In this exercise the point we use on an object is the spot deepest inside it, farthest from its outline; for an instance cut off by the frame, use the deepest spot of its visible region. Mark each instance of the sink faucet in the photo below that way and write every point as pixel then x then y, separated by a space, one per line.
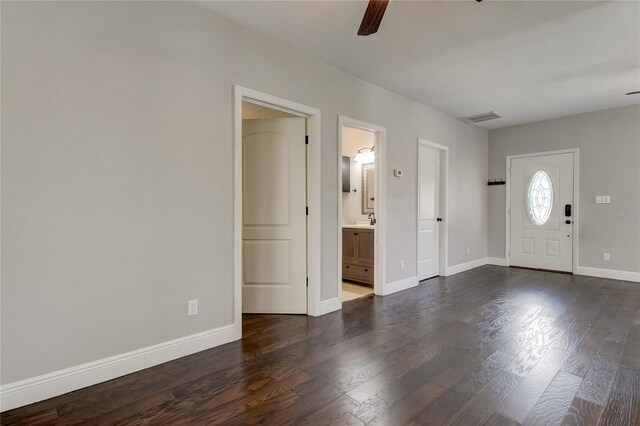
pixel 372 218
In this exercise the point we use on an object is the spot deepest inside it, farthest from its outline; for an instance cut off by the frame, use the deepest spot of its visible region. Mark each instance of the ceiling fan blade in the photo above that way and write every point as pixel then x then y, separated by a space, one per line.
pixel 372 17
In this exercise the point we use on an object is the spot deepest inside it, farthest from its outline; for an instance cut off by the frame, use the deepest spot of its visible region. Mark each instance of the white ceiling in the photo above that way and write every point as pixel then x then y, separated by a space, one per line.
pixel 527 60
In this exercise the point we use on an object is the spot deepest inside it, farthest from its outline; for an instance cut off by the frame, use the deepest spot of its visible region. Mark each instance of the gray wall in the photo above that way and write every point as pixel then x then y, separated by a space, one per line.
pixel 609 143
pixel 117 172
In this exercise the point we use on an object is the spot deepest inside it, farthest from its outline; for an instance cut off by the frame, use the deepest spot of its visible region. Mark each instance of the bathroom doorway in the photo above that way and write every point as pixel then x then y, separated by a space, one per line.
pixel 361 212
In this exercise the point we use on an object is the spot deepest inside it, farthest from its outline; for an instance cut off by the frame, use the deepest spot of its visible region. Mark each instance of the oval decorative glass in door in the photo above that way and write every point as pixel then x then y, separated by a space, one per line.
pixel 539 198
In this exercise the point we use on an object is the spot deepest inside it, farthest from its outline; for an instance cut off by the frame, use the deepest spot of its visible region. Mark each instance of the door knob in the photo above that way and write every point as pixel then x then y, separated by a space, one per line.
pixel 568 222
pixel 439 219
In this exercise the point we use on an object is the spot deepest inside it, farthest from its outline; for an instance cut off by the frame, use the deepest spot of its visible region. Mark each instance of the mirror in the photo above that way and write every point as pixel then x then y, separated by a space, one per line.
pixel 368 188
pixel 346 174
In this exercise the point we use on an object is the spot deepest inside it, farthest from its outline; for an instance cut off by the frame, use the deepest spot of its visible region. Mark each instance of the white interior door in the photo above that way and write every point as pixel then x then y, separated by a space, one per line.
pixel 274 234
pixel 428 211
pixel 541 224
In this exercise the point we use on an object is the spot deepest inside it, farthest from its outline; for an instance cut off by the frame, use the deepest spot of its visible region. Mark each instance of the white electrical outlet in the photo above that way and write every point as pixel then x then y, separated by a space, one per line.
pixel 468 251
pixel 402 264
pixel 193 307
pixel 606 257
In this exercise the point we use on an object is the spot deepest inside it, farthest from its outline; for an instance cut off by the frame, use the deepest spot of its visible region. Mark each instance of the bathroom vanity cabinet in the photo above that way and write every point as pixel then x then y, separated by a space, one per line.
pixel 358 255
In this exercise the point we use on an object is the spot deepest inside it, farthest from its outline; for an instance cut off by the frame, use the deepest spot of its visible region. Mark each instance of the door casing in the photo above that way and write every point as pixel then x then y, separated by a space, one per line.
pixel 312 115
pixel 576 207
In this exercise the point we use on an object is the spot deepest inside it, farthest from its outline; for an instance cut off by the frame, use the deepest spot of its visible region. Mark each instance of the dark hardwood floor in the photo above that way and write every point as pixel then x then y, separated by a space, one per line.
pixel 491 346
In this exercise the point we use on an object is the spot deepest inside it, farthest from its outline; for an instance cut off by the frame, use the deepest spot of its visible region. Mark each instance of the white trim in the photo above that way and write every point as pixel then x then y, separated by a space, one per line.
pixel 330 305
pixel 380 262
pixel 314 220
pixel 612 274
pixel 444 204
pixel 576 200
pixel 462 267
pixel 396 286
pixel 314 233
pixel 38 388
pixel 498 261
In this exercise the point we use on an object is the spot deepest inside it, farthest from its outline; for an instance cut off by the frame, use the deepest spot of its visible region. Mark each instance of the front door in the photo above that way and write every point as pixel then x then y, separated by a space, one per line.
pixel 428 212
pixel 274 233
pixel 542 212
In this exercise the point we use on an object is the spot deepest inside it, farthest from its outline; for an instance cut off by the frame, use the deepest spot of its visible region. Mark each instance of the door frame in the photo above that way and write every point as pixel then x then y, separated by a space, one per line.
pixel 576 186
pixel 443 235
pixel 380 203
pixel 312 115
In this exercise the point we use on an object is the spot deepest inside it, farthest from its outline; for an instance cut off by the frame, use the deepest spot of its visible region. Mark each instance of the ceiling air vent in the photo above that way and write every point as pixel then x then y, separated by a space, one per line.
pixel 485 116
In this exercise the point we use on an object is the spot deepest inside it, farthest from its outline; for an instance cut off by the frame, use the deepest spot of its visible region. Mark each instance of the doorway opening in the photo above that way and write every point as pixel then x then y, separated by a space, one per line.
pixel 361 209
pixel 277 206
pixel 541 211
pixel 432 226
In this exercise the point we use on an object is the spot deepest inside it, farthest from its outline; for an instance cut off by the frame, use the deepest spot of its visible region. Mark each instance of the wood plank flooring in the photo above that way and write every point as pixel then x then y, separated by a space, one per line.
pixel 490 346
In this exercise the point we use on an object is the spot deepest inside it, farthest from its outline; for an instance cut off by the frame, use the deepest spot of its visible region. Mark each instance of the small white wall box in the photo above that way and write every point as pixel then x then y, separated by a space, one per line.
pixel 397 172
pixel 603 199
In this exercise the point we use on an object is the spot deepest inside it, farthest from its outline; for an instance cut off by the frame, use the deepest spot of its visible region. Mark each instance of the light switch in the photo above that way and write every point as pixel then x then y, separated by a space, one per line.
pixel 603 199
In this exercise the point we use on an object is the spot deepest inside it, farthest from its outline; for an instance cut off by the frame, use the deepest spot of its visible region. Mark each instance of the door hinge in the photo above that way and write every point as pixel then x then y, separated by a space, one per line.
pixel 307 281
pixel 306 139
pixel 307 211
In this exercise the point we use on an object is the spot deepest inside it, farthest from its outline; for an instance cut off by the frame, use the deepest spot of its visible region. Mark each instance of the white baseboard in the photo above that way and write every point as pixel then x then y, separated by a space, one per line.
pixel 456 269
pixel 330 305
pixel 395 286
pixel 17 394
pixel 612 274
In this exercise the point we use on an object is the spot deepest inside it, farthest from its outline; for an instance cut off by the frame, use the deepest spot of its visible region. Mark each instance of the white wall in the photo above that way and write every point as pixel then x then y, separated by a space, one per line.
pixel 609 143
pixel 117 178
pixel 352 141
